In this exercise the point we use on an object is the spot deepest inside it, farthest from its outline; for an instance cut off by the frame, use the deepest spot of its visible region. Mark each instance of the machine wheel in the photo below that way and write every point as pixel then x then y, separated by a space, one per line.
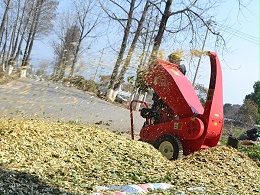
pixel 170 147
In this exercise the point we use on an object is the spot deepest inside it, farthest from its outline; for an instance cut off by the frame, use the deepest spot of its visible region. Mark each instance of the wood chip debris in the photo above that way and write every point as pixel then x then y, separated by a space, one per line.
pixel 54 158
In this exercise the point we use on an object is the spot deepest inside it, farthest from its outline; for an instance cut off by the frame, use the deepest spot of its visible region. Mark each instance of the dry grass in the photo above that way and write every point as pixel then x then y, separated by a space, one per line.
pixel 6 78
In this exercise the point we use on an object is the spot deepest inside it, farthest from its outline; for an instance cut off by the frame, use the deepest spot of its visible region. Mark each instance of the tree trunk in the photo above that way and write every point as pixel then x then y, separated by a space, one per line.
pixel 63 65
pixel 133 45
pixel 123 46
pixel 159 36
pixel 13 41
pixel 4 20
pixel 146 48
pixel 34 28
pixel 19 47
pixel 74 61
pixel 16 30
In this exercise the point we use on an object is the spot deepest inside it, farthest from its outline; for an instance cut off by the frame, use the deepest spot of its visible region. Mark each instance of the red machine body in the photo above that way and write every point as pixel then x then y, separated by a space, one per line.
pixel 185 125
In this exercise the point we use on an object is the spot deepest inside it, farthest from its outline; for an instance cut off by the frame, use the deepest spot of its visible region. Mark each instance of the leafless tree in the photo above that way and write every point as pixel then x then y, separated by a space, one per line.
pixel 4 33
pixel 126 27
pixel 75 26
pixel 134 42
pixel 146 41
pixel 43 12
pixel 62 26
pixel 22 25
pixel 23 22
pixel 41 71
pixel 163 23
pixel 87 21
pixel 185 16
pixel 4 19
pixel 68 50
pixel 32 31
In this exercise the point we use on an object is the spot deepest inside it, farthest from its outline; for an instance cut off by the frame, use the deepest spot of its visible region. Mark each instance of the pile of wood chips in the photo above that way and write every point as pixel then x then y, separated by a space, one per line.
pixel 55 158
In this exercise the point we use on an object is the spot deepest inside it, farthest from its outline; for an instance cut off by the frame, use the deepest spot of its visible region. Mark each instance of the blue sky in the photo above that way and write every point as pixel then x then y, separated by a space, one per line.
pixel 240 63
pixel 241 66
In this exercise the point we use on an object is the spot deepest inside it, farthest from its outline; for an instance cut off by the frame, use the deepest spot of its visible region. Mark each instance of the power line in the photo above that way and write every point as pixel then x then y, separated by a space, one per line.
pixel 239 34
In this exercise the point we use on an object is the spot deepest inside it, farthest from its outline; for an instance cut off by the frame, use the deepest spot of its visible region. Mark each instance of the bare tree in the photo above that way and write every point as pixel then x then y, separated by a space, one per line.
pixel 76 27
pixel 86 22
pixel 13 24
pixel 146 41
pixel 187 17
pixel 62 27
pixel 4 34
pixel 159 36
pixel 41 71
pixel 43 11
pixel 134 42
pixel 68 50
pixel 23 22
pixel 147 38
pixel 126 28
pixel 32 32
pixel 4 19
pixel 14 37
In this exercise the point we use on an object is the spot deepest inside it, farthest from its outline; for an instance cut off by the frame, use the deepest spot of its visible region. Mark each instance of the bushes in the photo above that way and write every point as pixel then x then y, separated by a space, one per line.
pixel 81 83
pixel 91 86
pixel 251 151
pixel 4 78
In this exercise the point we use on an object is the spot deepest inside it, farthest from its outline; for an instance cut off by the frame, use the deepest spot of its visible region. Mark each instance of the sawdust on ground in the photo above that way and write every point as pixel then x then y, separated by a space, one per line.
pixel 54 158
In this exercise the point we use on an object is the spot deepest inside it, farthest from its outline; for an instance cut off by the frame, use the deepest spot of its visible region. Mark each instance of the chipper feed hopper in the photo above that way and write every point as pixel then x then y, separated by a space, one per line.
pixel 177 123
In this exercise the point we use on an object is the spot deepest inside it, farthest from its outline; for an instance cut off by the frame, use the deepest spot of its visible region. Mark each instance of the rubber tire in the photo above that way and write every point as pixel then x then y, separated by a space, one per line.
pixel 171 143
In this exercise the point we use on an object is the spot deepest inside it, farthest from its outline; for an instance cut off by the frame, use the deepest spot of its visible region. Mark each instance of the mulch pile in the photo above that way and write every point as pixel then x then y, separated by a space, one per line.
pixel 54 158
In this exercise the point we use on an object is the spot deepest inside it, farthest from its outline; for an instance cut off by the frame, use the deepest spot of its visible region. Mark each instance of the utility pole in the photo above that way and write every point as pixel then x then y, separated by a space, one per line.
pixel 202 49
pixel 99 63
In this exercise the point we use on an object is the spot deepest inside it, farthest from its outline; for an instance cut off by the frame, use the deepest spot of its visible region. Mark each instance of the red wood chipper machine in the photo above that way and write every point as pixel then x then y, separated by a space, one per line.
pixel 177 123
